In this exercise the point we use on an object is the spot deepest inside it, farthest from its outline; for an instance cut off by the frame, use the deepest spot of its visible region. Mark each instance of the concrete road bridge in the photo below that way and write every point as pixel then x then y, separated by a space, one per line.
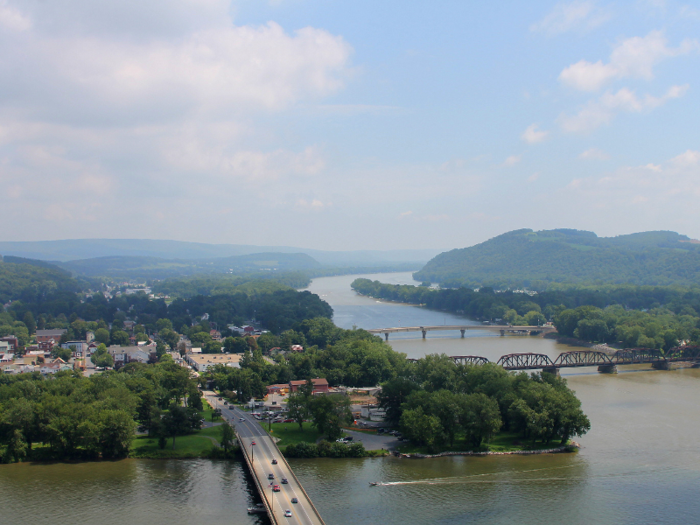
pixel 501 329
pixel 606 362
pixel 259 450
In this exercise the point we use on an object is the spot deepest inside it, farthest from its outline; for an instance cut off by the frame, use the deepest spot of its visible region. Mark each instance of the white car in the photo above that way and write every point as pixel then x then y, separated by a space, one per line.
pixel 287 513
pixel 241 419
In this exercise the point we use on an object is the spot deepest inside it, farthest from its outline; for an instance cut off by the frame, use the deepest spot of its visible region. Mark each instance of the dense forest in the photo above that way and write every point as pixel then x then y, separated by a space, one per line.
pixel 539 260
pixel 437 402
pixel 630 316
pixel 41 296
pixel 69 416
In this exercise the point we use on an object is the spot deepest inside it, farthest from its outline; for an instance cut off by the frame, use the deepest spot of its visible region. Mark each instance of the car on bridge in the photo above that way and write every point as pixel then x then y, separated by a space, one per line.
pixel 284 481
pixel 295 500
pixel 276 488
pixel 288 513
pixel 274 461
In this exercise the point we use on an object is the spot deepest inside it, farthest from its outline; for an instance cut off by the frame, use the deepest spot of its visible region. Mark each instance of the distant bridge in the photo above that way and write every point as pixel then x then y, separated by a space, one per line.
pixel 578 358
pixel 502 329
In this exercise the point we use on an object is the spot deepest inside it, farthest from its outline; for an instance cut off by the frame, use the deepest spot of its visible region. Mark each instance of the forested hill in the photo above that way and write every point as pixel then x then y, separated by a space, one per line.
pixel 541 260
pixel 29 280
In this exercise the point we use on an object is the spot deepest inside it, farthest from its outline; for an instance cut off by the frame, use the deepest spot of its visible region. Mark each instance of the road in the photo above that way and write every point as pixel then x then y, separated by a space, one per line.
pixel 262 454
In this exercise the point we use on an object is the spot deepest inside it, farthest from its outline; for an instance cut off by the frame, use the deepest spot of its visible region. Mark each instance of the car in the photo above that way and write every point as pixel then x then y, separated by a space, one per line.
pixel 270 476
pixel 276 488
pixel 241 419
pixel 287 513
pixel 294 500
pixel 284 481
pixel 225 402
pixel 274 461
pixel 348 439
pixel 253 443
pixel 380 431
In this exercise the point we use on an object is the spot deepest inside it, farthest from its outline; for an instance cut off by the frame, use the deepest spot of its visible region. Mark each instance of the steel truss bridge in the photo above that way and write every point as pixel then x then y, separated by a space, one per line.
pixel 579 358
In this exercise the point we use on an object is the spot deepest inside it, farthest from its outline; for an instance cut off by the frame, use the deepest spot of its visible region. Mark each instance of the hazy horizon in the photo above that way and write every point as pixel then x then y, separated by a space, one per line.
pixel 338 126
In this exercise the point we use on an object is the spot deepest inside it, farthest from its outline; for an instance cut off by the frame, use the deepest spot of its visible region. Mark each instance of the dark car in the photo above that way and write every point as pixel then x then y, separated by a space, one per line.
pixel 270 476
pixel 294 500
pixel 284 481
pixel 274 461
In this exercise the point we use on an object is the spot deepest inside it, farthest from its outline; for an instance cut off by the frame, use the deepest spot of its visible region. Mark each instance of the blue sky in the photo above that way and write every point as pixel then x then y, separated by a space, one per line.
pixel 347 125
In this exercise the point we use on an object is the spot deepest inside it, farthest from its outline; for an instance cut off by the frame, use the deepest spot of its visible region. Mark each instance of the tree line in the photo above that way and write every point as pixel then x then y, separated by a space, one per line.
pixel 436 403
pixel 68 416
pixel 629 316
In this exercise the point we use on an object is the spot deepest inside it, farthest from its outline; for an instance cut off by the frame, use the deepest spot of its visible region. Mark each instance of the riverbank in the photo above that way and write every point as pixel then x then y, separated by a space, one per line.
pixel 572 446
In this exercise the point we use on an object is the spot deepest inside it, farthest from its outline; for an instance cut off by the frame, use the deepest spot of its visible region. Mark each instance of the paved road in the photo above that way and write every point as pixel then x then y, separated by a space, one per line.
pixel 262 454
pixel 374 441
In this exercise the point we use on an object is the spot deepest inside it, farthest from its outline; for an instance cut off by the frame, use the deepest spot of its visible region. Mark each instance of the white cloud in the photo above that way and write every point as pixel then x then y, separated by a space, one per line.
pixel 653 185
pixel 312 204
pixel 594 154
pixel 632 58
pixel 532 135
pixel 511 161
pixel 12 18
pixel 533 177
pixel 602 111
pixel 573 15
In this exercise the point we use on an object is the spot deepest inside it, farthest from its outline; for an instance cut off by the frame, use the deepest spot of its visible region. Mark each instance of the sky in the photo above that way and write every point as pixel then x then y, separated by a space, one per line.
pixel 342 125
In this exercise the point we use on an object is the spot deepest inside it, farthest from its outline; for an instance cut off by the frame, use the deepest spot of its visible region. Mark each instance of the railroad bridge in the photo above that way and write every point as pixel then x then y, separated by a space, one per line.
pixel 605 362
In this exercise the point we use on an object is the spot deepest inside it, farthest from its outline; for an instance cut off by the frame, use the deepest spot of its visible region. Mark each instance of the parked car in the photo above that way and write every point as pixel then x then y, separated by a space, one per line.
pixel 347 439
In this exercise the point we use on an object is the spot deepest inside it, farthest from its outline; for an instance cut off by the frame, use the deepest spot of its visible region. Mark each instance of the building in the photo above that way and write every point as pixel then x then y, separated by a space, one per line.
pixel 215 335
pixel 320 386
pixel 131 354
pixel 297 348
pixel 281 389
pixel 202 362
pixel 11 340
pixel 44 336
pixel 79 347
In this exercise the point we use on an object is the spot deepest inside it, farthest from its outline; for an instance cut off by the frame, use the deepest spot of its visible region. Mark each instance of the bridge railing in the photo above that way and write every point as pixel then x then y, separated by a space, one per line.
pixel 261 490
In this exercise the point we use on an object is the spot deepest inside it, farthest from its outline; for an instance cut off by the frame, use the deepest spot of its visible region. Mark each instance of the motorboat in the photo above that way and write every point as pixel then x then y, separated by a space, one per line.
pixel 373 483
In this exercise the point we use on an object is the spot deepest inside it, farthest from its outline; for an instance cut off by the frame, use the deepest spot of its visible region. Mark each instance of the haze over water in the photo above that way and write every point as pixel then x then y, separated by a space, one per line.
pixel 638 465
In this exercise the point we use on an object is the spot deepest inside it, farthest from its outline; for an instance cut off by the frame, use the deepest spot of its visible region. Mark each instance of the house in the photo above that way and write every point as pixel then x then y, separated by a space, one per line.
pixel 129 325
pixel 248 330
pixel 58 365
pixel 11 340
pixel 44 336
pixel 202 362
pixel 131 354
pixel 79 347
pixel 320 386
pixel 6 357
pixel 215 335
pixel 297 348
pixel 5 347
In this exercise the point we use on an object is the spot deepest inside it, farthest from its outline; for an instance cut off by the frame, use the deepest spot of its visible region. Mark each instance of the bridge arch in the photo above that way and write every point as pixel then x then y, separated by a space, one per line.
pixel 469 359
pixel 527 361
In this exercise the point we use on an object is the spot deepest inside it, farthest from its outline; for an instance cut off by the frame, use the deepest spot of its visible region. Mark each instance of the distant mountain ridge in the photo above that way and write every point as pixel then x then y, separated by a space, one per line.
pixel 75 249
pixel 544 258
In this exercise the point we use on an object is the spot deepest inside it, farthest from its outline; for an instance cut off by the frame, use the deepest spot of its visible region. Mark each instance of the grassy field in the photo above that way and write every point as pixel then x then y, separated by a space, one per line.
pixel 289 433
pixel 194 445
pixel 502 442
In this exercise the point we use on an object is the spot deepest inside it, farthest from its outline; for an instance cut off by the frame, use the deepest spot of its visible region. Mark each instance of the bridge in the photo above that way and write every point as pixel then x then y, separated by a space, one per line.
pixel 259 450
pixel 578 358
pixel 502 329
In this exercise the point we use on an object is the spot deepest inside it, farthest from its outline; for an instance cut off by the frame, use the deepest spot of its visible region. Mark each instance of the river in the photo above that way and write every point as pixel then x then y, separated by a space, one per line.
pixel 639 464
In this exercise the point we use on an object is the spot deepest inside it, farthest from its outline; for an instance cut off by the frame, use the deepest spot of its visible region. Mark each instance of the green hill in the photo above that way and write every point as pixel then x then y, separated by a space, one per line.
pixel 30 280
pixel 540 260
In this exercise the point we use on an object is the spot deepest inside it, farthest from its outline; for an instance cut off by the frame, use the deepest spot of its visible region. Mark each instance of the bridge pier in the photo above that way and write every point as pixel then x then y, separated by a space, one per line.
pixel 607 369
pixel 661 365
pixel 424 332
pixel 462 332
pixel 552 370
pixel 386 336
pixel 503 333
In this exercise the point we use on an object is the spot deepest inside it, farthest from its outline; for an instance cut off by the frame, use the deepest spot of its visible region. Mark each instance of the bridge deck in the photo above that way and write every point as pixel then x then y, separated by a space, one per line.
pixel 491 328
pixel 259 459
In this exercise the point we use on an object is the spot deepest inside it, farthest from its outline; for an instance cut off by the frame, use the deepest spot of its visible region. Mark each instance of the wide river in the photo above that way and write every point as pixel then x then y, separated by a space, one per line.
pixel 639 464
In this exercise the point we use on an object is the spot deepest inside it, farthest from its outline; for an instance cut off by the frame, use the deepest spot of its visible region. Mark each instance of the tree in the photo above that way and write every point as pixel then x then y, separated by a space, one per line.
pixel 298 406
pixel 116 431
pixel 420 427
pixel 28 320
pixel 329 412
pixel 393 395
pixel 176 422
pixel 119 337
pixel 102 336
pixel 227 437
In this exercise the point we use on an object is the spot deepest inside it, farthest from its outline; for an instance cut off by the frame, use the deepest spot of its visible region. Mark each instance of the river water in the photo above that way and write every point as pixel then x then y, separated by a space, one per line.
pixel 639 464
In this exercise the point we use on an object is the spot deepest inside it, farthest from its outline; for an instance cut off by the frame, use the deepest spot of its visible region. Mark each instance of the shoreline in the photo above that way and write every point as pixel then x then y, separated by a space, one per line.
pixel 572 446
